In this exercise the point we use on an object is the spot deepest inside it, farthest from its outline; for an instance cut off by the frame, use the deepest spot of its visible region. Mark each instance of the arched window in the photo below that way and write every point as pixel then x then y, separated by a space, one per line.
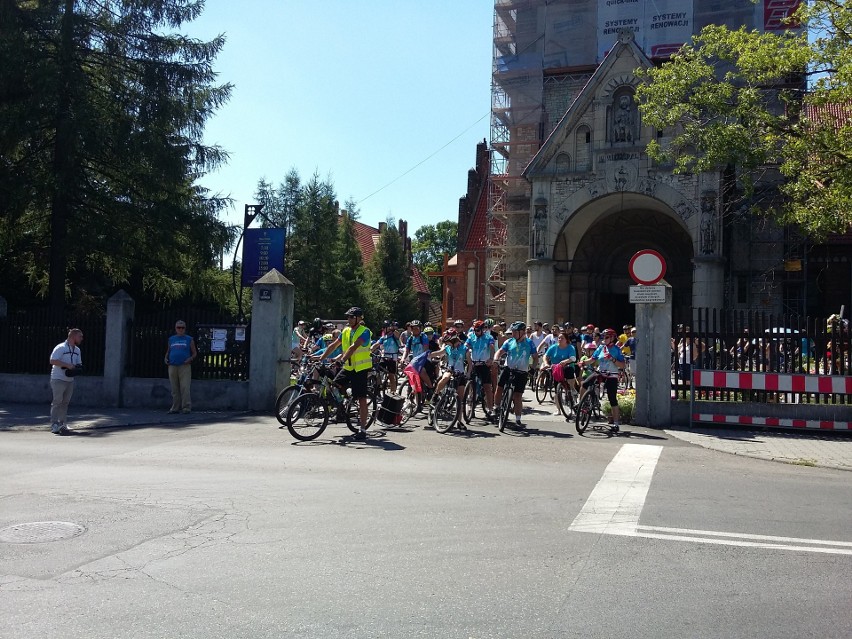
pixel 583 148
pixel 563 163
pixel 471 284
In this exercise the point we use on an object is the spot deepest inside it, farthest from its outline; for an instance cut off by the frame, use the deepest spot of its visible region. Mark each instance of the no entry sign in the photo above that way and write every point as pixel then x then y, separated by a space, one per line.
pixel 647 267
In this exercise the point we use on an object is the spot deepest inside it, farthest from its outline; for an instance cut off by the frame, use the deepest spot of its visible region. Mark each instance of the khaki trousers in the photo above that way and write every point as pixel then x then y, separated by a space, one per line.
pixel 62 392
pixel 180 378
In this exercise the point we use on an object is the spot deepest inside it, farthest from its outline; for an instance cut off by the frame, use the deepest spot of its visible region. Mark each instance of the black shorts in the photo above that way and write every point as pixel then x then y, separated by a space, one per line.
pixel 388 365
pixel 458 380
pixel 483 372
pixel 356 380
pixel 610 383
pixel 429 367
pixel 520 380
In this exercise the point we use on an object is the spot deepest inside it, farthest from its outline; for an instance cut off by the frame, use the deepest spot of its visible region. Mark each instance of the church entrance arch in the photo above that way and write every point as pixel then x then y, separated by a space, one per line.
pixel 592 256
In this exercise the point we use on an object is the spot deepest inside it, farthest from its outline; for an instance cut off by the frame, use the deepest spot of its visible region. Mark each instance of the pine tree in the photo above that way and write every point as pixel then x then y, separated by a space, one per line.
pixel 102 110
pixel 347 271
pixel 388 288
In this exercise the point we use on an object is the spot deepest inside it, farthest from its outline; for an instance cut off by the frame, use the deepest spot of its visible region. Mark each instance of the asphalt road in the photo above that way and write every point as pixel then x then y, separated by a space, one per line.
pixel 235 530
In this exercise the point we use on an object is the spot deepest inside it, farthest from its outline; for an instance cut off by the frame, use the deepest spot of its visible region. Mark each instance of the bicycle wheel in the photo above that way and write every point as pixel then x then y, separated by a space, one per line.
pixel 623 379
pixel 584 413
pixel 505 404
pixel 307 417
pixel 469 401
pixel 565 401
pixel 543 387
pixel 283 401
pixel 351 408
pixel 411 402
pixel 445 414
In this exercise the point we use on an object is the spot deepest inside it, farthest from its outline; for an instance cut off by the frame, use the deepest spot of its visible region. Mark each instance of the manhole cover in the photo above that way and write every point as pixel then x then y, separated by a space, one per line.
pixel 37 532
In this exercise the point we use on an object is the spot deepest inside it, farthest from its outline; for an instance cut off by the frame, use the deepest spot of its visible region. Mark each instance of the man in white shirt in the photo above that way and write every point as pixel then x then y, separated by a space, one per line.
pixel 66 362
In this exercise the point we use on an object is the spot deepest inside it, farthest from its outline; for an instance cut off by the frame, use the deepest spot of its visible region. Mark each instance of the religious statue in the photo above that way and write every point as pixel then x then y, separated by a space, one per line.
pixel 623 120
pixel 539 232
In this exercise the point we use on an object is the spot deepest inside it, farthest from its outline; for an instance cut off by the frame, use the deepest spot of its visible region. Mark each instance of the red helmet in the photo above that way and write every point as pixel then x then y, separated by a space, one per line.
pixel 608 332
pixel 478 324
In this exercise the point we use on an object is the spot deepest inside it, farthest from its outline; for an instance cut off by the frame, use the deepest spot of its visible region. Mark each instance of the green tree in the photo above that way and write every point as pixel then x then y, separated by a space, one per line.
pixel 761 102
pixel 430 243
pixel 388 290
pixel 102 110
pixel 347 266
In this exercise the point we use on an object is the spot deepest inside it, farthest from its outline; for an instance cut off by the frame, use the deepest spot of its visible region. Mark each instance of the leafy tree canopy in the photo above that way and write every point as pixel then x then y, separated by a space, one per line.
pixel 760 102
pixel 430 243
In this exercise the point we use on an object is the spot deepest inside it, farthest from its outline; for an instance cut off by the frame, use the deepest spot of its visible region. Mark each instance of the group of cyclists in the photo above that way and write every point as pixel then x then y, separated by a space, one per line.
pixel 477 351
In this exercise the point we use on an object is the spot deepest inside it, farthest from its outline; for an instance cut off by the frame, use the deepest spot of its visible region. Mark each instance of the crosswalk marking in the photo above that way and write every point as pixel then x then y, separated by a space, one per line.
pixel 615 505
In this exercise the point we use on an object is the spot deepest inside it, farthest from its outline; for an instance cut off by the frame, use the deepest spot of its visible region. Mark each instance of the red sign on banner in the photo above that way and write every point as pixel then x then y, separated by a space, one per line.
pixel 776 12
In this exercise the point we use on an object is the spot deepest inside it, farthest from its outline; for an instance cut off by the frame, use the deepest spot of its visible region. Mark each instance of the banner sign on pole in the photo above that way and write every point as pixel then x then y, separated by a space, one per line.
pixel 263 250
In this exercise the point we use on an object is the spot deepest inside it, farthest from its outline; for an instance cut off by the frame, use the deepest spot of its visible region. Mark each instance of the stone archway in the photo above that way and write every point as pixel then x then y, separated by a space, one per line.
pixel 593 278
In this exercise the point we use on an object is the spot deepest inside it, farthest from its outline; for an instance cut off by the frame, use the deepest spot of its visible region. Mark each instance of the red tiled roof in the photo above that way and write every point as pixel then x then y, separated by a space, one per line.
pixel 367 237
pixel 477 238
pixel 837 114
pixel 418 281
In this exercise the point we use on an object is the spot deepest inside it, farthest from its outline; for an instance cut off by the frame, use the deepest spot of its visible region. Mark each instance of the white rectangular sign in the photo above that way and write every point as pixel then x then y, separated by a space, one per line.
pixel 647 294
pixel 660 27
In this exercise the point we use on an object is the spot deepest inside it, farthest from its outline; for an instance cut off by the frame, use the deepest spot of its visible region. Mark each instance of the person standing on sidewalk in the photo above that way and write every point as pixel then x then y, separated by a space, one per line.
pixel 66 362
pixel 180 354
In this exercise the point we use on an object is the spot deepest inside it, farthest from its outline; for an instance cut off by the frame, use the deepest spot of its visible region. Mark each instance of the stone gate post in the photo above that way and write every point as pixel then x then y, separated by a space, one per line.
pixel 653 362
pixel 271 335
pixel 120 311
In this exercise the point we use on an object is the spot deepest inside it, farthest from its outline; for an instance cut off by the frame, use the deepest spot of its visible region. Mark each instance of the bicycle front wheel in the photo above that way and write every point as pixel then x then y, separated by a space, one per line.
pixel 307 417
pixel 446 412
pixel 505 405
pixel 411 401
pixel 469 401
pixel 283 401
pixel 565 401
pixel 543 387
pixel 584 413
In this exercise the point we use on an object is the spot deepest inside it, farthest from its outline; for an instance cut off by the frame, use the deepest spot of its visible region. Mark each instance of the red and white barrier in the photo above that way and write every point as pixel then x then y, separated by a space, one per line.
pixel 776 383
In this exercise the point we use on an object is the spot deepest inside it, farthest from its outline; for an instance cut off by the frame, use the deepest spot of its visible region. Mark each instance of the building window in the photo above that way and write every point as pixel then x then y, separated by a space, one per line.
pixel 471 284
pixel 563 163
pixel 583 148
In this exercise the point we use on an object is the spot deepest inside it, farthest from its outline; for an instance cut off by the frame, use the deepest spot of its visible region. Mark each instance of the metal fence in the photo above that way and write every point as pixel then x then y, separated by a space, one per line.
pixel 27 337
pixel 149 337
pixel 750 341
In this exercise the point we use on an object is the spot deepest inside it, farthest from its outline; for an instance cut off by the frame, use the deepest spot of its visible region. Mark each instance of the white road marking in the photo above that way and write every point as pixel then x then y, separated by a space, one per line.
pixel 615 504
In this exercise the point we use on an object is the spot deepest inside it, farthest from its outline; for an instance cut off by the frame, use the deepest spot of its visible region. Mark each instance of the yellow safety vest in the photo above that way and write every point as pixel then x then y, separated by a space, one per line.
pixel 360 360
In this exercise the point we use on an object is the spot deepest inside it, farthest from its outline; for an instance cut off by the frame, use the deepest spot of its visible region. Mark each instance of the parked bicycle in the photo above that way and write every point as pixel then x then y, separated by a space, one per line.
pixel 505 407
pixel 590 407
pixel 474 396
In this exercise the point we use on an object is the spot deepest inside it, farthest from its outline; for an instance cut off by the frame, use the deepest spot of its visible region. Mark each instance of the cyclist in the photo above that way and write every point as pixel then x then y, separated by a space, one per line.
pixel 355 341
pixel 416 344
pixel 518 350
pixel 562 355
pixel 481 347
pixel 458 325
pixel 609 360
pixel 390 347
pixel 454 351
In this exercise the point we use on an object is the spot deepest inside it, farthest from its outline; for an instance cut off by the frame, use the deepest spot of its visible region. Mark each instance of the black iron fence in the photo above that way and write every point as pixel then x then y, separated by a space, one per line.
pixel 28 336
pixel 748 341
pixel 149 336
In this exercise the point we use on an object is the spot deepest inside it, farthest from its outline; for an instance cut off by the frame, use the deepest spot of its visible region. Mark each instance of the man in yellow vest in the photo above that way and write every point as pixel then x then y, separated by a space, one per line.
pixel 357 362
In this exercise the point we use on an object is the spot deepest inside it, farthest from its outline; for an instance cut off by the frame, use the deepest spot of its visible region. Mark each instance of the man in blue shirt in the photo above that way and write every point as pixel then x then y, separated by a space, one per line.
pixel 180 353
pixel 481 347
pixel 518 350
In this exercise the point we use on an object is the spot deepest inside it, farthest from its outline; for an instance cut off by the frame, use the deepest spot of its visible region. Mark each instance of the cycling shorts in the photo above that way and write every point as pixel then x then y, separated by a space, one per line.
pixel 610 383
pixel 388 365
pixel 356 380
pixel 483 372
pixel 520 380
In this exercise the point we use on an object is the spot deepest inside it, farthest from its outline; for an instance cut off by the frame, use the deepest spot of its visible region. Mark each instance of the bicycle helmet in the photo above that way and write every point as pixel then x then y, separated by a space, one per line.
pixel 608 332
pixel 518 326
pixel 414 323
pixel 355 311
pixel 428 330
pixel 478 324
pixel 451 334
pixel 317 323
pixel 328 337
pixel 488 323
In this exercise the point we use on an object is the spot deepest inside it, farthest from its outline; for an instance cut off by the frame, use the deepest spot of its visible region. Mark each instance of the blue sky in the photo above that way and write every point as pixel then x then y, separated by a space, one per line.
pixel 360 92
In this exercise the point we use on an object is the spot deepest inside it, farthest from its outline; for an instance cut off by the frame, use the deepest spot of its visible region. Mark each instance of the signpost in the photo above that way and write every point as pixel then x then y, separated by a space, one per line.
pixel 263 250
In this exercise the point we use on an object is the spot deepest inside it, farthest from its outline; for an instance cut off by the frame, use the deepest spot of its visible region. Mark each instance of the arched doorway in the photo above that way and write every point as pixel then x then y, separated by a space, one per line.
pixel 595 272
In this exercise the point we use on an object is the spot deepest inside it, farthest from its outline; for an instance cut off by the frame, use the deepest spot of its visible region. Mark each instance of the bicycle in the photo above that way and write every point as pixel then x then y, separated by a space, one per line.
pixel 444 411
pixel 506 400
pixel 544 387
pixel 474 395
pixel 590 407
pixel 566 400
pixel 308 414
pixel 285 397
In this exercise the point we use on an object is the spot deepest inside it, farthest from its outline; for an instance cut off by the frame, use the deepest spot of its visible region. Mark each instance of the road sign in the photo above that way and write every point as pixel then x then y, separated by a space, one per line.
pixel 647 267
pixel 647 294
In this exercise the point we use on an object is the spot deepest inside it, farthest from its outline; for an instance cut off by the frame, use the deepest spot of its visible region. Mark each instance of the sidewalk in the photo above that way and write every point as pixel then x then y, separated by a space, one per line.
pixel 37 417
pixel 802 448
pixel 792 447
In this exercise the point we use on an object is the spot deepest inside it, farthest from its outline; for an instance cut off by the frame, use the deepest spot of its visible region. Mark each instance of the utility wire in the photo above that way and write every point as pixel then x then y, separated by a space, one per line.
pixel 433 154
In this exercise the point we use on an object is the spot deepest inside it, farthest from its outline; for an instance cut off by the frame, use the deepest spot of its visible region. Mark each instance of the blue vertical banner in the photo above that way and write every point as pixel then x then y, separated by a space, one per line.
pixel 263 250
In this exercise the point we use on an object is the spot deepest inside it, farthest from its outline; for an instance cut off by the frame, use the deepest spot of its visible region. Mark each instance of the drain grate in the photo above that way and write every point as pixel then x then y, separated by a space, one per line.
pixel 37 532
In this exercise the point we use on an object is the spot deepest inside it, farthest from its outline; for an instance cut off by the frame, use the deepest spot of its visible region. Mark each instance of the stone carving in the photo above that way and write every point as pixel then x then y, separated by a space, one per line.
pixel 540 232
pixel 708 224
pixel 684 210
pixel 623 120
